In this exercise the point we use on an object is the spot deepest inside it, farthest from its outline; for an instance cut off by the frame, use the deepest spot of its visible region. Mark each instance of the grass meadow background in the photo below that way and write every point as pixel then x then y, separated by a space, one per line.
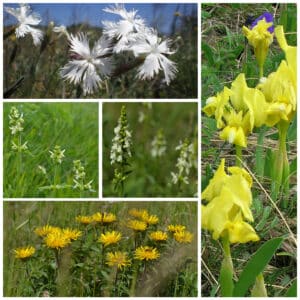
pixel 225 54
pixel 174 274
pixel 151 177
pixel 73 126
pixel 33 72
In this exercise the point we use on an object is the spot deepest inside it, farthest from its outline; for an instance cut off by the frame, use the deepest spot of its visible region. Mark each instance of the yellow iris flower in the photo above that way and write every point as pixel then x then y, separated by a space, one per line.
pixel 229 199
pixel 280 88
pixel 260 38
pixel 237 111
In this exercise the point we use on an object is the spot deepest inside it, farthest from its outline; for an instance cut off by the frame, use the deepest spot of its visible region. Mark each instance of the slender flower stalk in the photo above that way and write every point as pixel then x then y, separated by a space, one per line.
pixel 120 153
pixel 79 178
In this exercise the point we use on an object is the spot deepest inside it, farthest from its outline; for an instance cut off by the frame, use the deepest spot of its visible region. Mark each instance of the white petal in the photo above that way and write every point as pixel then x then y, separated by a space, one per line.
pixel 80 45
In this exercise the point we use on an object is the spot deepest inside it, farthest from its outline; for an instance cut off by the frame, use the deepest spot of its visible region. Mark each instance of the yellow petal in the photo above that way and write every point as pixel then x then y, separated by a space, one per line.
pixel 241 232
pixel 215 184
pixel 241 171
pixel 234 135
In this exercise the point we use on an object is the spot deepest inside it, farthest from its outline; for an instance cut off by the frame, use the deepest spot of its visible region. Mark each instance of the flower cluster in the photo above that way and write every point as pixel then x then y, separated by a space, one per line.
pixel 228 205
pixel 56 237
pixel 26 19
pixel 24 252
pixel 180 234
pixel 158 145
pixel 79 177
pixel 121 143
pixel 184 163
pixel 16 123
pixel 97 218
pixel 239 109
pixel 57 154
pixel 90 66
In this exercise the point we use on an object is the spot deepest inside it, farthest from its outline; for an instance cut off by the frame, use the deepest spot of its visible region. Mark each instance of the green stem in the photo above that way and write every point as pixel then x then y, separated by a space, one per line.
pixel 226 273
pixel 134 278
pixel 238 155
pixel 261 71
pixel 259 289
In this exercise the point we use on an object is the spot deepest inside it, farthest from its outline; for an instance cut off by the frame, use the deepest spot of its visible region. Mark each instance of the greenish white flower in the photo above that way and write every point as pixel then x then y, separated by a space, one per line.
pixel 158 145
pixel 57 154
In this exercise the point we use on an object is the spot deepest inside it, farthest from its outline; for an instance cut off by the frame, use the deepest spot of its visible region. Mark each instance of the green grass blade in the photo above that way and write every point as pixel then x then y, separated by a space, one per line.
pixel 292 291
pixel 256 266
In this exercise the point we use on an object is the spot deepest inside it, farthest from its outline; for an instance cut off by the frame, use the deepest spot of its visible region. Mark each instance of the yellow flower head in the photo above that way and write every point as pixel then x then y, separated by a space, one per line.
pixel 183 236
pixel 158 236
pixel 110 237
pixel 43 231
pixel 137 213
pixel 149 219
pixel 175 228
pixel 85 220
pixel 260 37
pixel 229 202
pixel 146 253
pixel 24 253
pixel 118 259
pixel 104 218
pixel 57 240
pixel 137 225
pixel 72 234
pixel 237 111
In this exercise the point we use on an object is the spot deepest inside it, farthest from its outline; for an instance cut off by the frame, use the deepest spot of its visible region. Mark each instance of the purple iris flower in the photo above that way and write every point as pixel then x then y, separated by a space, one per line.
pixel 268 18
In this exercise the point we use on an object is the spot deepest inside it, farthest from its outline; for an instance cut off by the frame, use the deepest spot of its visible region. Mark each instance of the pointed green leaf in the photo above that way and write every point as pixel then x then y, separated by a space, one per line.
pixel 292 291
pixel 255 266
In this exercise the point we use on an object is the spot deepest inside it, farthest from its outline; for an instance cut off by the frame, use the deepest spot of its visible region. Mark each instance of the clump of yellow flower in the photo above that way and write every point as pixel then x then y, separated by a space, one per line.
pixel 118 259
pixel 137 225
pixel 72 234
pixel 158 236
pixel 24 253
pixel 280 87
pixel 175 228
pixel 85 220
pixel 57 240
pixel 110 237
pixel 104 218
pixel 149 219
pixel 137 213
pixel 237 111
pixel 44 230
pixel 228 205
pixel 146 253
pixel 183 236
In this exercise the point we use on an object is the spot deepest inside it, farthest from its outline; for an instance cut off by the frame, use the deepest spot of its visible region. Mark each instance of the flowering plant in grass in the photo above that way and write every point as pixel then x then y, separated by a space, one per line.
pixel 118 255
pixel 240 111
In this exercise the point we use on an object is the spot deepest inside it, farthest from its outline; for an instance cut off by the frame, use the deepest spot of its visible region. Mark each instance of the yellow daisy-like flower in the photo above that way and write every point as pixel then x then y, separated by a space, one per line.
pixel 110 237
pixel 158 236
pixel 43 231
pixel 183 236
pixel 137 213
pixel 137 225
pixel 175 228
pixel 56 240
pixel 72 234
pixel 118 259
pixel 24 253
pixel 149 219
pixel 104 218
pixel 146 253
pixel 85 220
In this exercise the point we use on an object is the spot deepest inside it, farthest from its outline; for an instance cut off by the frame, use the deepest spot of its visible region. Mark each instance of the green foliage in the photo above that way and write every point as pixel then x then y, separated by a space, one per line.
pixel 151 176
pixel 73 126
pixel 226 53
pixel 82 270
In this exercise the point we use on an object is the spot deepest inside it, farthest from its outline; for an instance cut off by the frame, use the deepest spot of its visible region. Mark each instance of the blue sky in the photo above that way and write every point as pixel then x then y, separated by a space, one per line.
pixel 158 15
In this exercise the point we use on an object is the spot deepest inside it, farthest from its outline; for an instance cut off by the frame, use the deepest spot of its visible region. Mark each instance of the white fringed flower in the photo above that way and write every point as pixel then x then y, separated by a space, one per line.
pixel 126 30
pixel 26 19
pixel 89 66
pixel 154 50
